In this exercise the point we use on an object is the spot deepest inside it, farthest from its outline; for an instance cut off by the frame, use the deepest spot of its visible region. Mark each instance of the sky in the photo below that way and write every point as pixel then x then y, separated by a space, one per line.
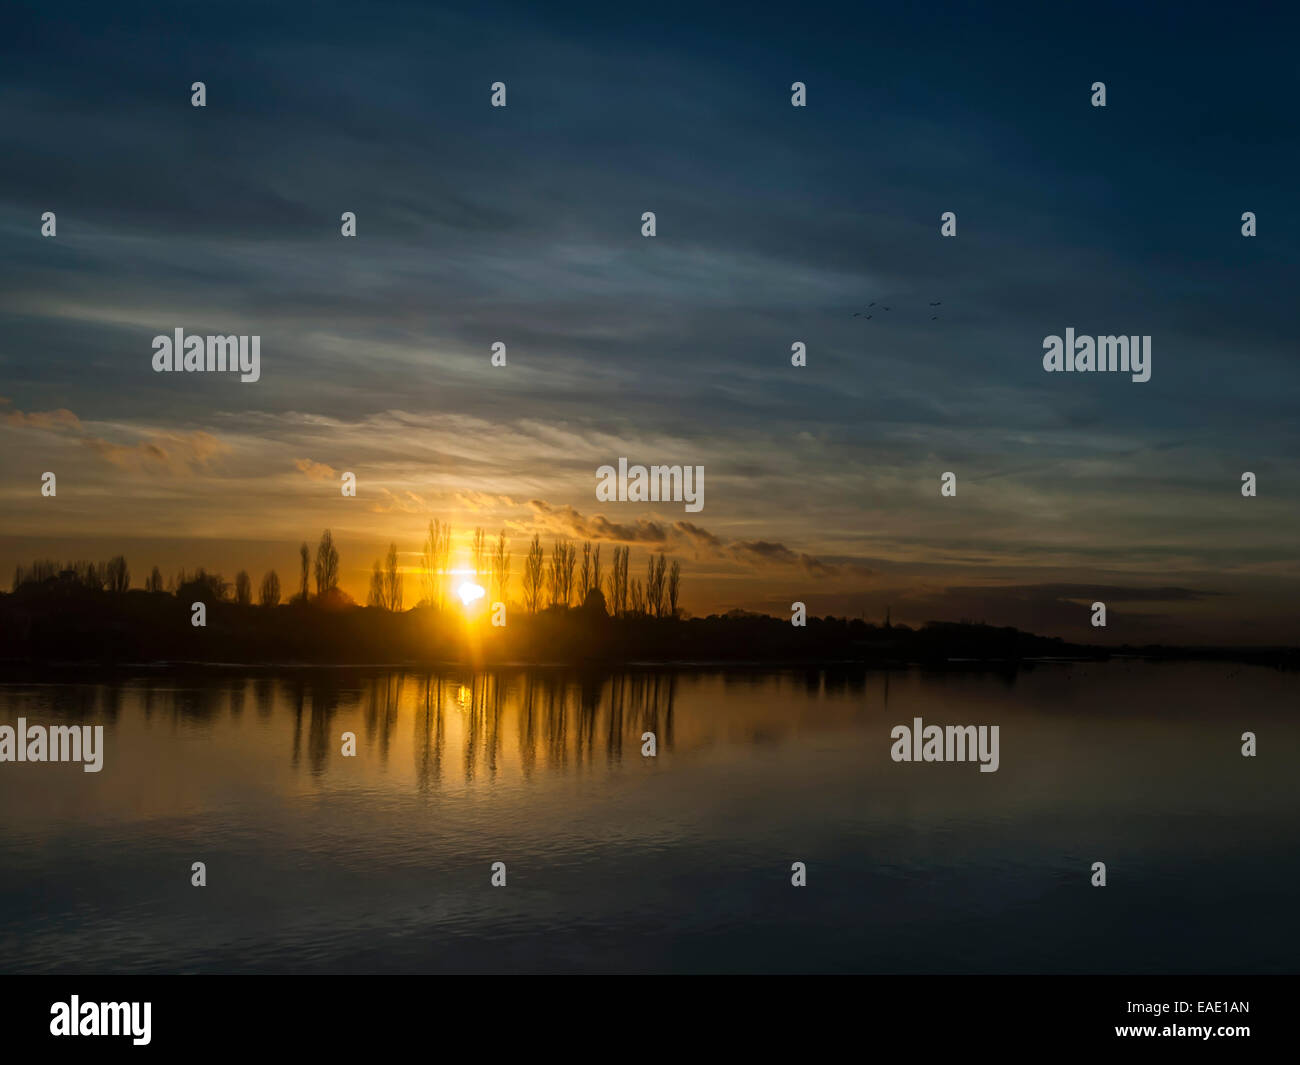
pixel 774 225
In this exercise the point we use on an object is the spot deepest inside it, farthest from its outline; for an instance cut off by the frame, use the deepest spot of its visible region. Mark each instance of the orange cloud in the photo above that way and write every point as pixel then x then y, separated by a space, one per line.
pixel 475 502
pixel 178 452
pixel 407 502
pixel 44 419
pixel 317 471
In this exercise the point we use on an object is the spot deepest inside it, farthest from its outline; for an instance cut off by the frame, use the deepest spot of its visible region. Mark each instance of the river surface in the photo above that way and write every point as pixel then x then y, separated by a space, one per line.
pixel 681 862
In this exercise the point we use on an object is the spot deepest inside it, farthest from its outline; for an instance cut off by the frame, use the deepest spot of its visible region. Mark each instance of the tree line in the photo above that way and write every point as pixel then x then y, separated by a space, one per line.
pixel 555 581
pixel 558 580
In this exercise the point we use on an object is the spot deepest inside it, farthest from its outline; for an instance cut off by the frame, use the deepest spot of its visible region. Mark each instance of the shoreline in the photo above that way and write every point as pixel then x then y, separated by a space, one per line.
pixel 1270 657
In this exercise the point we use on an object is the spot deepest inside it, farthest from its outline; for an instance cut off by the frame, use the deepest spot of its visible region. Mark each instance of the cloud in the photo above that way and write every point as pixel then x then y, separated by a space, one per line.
pixel 567 521
pixel 407 502
pixel 177 452
pixel 819 568
pixel 44 419
pixel 766 551
pixel 317 471
pixel 697 536
pixel 476 502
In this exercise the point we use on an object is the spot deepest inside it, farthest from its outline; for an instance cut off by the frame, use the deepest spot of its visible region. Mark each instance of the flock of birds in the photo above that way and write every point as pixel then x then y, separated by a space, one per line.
pixel 866 316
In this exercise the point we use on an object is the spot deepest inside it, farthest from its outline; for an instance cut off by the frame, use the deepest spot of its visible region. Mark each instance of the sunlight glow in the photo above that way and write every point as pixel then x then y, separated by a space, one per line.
pixel 469 592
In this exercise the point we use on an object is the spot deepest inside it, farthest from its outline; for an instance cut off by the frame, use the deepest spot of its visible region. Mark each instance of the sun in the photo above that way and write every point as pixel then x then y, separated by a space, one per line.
pixel 469 592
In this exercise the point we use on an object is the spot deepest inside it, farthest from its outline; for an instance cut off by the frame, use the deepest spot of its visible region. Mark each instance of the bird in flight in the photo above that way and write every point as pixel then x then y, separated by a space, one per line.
pixel 936 303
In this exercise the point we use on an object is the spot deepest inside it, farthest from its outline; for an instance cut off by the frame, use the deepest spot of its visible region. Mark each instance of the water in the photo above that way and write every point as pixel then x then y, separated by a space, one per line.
pixel 615 862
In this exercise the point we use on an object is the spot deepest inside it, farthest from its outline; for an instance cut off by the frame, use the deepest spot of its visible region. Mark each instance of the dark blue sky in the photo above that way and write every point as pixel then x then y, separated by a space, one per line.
pixel 775 224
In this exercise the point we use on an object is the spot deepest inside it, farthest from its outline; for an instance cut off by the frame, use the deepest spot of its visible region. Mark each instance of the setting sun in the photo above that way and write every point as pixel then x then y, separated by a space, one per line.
pixel 469 592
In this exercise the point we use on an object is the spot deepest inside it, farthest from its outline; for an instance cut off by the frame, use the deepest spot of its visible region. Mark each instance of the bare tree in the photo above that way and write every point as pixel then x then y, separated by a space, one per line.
pixel 655 589
pixel 437 550
pixel 534 565
pixel 116 576
pixel 429 565
pixel 243 588
pixel 375 596
pixel 584 579
pixel 304 556
pixel 270 591
pixel 618 586
pixel 649 583
pixel 674 586
pixel 638 598
pixel 595 569
pixel 623 587
pixel 570 560
pixel 43 569
pixel 501 568
pixel 392 581
pixel 478 552
pixel 90 576
pixel 154 583
pixel 554 572
pixel 327 564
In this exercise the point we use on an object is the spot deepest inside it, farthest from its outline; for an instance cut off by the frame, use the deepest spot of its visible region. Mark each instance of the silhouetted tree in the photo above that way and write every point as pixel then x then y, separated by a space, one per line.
pixel 501 568
pixel 534 565
pixel 270 592
pixel 116 575
pixel 327 564
pixel 155 581
pixel 584 579
pixel 559 578
pixel 618 586
pixel 201 586
pixel 674 586
pixel 655 588
pixel 91 576
pixel 40 571
pixel 570 570
pixel 478 552
pixel 375 597
pixel 392 581
pixel 243 588
pixel 437 550
pixel 553 572
pixel 304 556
